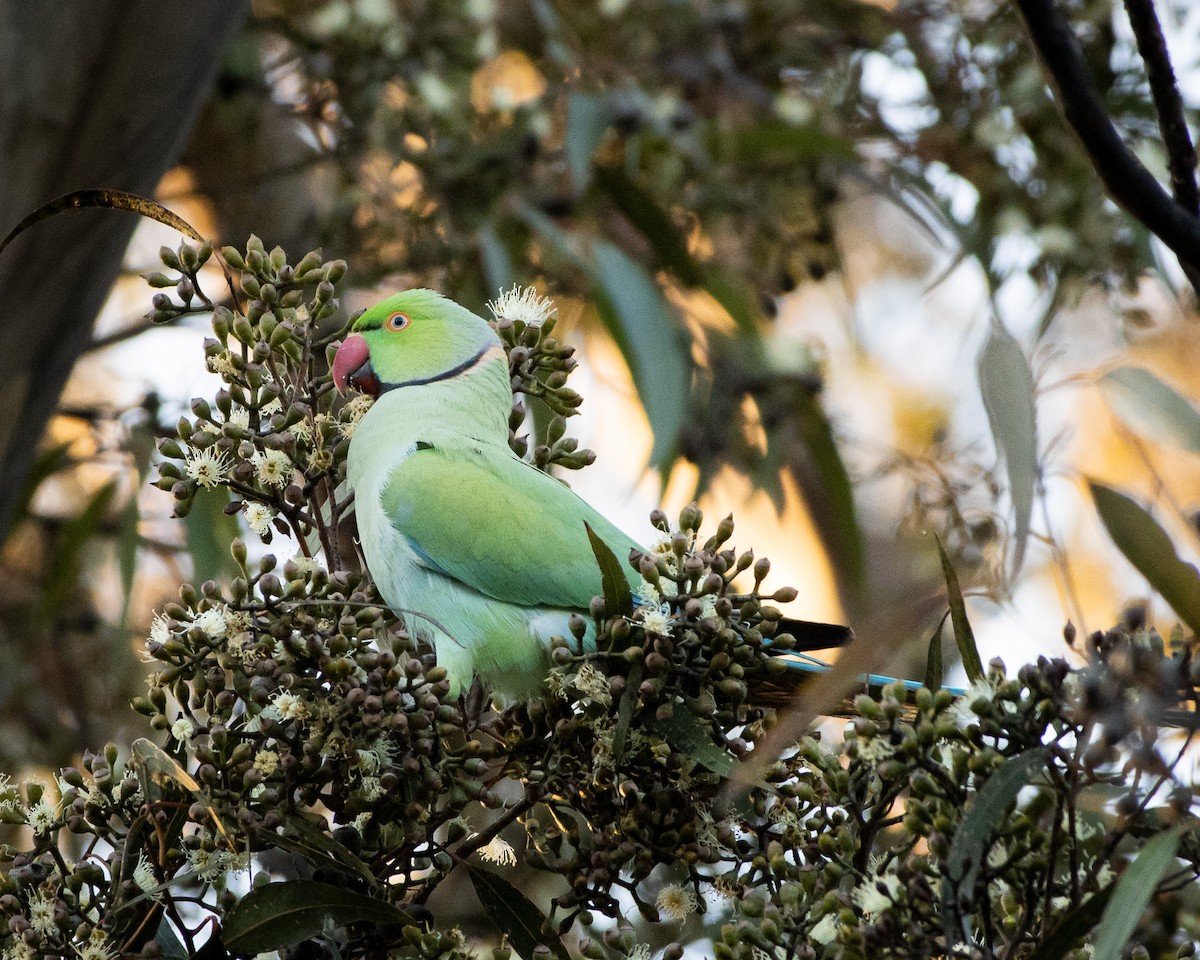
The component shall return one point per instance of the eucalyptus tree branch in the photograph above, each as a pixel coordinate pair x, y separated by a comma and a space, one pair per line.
1127, 181
1168, 104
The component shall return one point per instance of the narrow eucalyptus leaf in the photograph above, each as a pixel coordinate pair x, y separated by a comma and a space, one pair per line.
1151, 407
1132, 894
974, 835
652, 341
514, 915
281, 914
964, 636
1007, 386
1148, 547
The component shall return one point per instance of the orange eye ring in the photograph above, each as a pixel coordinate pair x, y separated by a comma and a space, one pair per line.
398, 321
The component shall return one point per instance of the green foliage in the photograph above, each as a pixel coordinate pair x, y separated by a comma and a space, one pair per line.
312, 747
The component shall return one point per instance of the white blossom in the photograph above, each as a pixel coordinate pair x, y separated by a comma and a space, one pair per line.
521, 303
208, 467
182, 729
593, 684
499, 852
214, 621
41, 914
657, 621
258, 517
676, 902
42, 816
274, 467
143, 876
286, 706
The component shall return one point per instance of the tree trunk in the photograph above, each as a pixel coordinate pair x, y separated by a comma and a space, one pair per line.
93, 93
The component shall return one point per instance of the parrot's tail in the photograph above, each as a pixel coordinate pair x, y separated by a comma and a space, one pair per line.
811, 635
780, 691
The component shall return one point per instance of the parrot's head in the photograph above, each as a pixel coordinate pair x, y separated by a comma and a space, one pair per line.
411, 338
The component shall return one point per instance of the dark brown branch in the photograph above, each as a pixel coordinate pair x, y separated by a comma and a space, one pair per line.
1128, 182
1168, 104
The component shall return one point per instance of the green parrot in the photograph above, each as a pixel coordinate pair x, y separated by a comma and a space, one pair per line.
478, 550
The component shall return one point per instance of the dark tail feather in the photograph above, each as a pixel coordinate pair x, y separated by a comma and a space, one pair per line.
811, 635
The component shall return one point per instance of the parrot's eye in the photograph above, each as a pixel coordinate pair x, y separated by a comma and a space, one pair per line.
398, 321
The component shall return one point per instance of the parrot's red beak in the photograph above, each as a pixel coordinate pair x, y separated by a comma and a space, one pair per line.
352, 367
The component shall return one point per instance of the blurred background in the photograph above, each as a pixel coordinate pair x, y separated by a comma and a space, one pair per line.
779, 234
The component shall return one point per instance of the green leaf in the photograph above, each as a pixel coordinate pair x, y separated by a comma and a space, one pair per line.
618, 599
1007, 386
1068, 935
1148, 406
281, 914
686, 735
168, 940
588, 117
643, 210
48, 462
63, 570
629, 698
823, 479
974, 835
497, 264
514, 915
210, 530
653, 343
964, 636
1148, 547
307, 840
1132, 893
934, 672
777, 140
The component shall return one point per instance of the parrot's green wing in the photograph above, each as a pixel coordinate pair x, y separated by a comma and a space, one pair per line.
499, 526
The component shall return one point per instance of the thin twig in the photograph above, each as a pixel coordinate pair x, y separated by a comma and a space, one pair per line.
1168, 104
1128, 182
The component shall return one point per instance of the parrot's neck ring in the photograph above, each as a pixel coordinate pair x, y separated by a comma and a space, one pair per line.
444, 375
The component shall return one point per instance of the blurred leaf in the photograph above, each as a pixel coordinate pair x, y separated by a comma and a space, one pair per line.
974, 835
210, 530
934, 673
62, 572
497, 264
821, 476
618, 600
1132, 893
687, 736
319, 849
643, 210
1148, 406
588, 117
1069, 934
625, 707
514, 915
784, 141
48, 462
1007, 386
281, 914
652, 341
964, 636
1148, 547
141, 445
